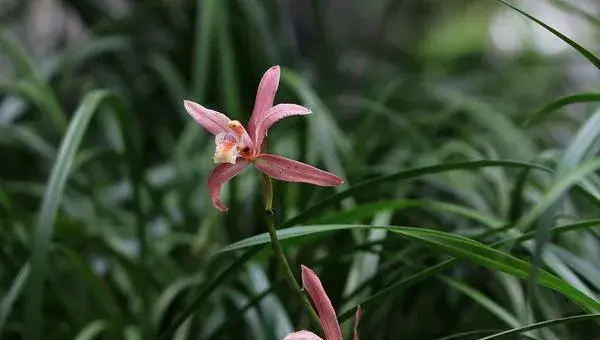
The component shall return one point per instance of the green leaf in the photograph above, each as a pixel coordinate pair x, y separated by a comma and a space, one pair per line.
259, 16
584, 224
438, 268
587, 54
543, 324
291, 233
487, 303
468, 334
404, 283
78, 54
92, 330
228, 76
95, 284
560, 103
559, 187
403, 175
170, 294
49, 209
251, 316
301, 231
218, 333
5, 200
23, 63
9, 299
28, 137
517, 267
205, 24
64, 62
272, 309
506, 131
518, 202
39, 93
206, 290
483, 255
402, 125
574, 8
171, 79
570, 170
369, 209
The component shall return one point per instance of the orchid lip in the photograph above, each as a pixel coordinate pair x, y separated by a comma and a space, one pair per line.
226, 150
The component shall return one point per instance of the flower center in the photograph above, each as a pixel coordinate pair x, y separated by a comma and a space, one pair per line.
226, 150
233, 144
244, 143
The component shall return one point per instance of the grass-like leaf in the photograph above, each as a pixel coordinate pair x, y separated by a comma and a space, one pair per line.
9, 299
369, 209
456, 246
92, 330
23, 63
559, 103
587, 54
543, 324
38, 92
483, 255
206, 290
438, 268
50, 206
316, 208
483, 300
204, 36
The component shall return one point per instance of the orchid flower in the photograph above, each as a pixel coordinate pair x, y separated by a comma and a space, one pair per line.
237, 147
329, 323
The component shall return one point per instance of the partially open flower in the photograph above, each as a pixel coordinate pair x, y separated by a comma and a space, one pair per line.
329, 323
237, 147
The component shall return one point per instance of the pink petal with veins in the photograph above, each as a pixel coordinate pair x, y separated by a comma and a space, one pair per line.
272, 115
264, 98
329, 323
302, 335
213, 121
221, 175
289, 170
356, 320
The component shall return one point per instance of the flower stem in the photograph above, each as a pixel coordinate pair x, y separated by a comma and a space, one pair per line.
278, 250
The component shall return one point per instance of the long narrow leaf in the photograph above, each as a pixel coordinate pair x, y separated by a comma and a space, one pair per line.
403, 175
50, 205
587, 54
9, 299
560, 103
549, 323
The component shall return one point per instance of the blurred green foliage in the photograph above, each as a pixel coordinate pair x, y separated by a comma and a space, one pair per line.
472, 190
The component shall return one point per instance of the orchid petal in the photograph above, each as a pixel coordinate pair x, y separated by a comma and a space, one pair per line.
329, 323
213, 121
302, 335
289, 170
265, 95
272, 115
221, 175
356, 320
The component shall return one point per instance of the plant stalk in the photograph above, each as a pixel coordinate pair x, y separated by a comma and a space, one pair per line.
278, 251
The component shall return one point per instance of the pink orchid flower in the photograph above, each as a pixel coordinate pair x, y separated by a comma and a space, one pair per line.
329, 323
237, 147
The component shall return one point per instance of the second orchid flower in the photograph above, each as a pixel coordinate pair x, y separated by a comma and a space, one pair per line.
329, 323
